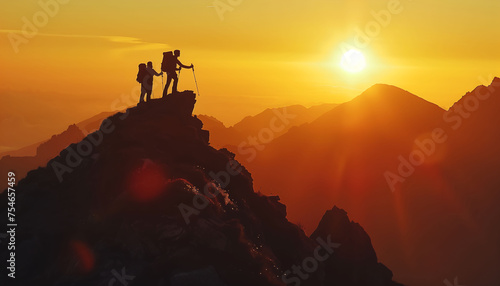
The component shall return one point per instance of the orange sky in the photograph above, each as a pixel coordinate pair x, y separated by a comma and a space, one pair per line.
83, 58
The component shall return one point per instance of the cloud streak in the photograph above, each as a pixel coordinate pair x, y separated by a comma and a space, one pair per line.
135, 43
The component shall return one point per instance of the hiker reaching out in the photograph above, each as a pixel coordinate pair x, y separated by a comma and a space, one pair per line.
145, 77
169, 65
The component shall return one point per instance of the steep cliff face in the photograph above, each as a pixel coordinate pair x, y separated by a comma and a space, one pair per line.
145, 200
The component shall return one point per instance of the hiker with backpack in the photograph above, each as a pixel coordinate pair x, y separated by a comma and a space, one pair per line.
145, 78
169, 65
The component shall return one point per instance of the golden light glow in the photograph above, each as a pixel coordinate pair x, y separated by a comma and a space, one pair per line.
353, 61
67, 63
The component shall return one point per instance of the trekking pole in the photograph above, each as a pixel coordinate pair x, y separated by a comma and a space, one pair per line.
162, 86
196, 82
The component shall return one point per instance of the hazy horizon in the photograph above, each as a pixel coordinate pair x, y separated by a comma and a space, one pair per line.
61, 67
63, 125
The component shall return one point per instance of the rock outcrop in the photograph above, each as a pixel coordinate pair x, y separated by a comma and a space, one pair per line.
145, 200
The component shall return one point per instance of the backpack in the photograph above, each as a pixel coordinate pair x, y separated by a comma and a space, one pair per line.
168, 64
141, 73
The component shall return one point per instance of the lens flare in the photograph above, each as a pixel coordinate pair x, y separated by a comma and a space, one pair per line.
84, 255
147, 182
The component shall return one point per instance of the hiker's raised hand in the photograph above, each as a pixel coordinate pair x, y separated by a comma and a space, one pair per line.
192, 66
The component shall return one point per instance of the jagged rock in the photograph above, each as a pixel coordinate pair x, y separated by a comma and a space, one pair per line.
355, 261
147, 199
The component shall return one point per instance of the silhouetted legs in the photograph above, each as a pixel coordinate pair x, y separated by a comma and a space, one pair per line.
171, 76
147, 92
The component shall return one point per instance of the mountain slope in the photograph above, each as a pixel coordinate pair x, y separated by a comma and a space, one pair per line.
151, 201
44, 152
423, 182
349, 147
26, 151
221, 136
92, 124
298, 115
276, 120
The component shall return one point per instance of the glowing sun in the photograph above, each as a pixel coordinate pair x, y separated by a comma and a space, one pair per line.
353, 61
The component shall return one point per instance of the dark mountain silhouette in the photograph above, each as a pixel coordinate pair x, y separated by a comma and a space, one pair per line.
36, 155
220, 135
252, 125
356, 259
87, 126
115, 212
29, 150
353, 136
44, 152
440, 222
94, 122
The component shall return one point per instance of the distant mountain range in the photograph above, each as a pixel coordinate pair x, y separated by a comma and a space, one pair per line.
252, 126
37, 155
423, 181
45, 151
28, 158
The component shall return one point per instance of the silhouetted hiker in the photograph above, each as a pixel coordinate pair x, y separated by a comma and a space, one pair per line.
145, 77
169, 65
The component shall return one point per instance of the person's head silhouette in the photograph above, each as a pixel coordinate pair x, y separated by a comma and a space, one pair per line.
150, 64
177, 53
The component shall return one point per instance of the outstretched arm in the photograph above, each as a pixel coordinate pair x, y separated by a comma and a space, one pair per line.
156, 73
184, 66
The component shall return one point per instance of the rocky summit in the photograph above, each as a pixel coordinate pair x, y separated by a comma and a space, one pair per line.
145, 200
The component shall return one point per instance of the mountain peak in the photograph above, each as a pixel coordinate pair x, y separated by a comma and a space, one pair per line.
481, 91
349, 235
181, 104
386, 91
389, 97
150, 196
496, 81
